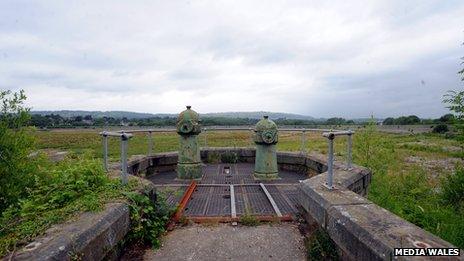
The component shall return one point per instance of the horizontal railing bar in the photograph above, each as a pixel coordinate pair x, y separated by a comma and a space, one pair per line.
337, 133
232, 129
148, 130
116, 134
304, 129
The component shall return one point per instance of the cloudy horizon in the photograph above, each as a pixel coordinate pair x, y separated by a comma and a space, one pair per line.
339, 59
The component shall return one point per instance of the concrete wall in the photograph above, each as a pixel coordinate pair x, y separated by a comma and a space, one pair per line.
90, 236
293, 161
361, 229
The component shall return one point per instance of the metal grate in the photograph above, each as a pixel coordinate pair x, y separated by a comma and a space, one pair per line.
211, 197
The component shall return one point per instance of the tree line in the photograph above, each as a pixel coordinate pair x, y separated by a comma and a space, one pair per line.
58, 121
413, 120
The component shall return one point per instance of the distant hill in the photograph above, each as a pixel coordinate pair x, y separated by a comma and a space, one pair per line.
258, 115
101, 114
138, 115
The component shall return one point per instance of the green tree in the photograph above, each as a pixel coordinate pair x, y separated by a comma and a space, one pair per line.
455, 103
447, 118
16, 167
389, 121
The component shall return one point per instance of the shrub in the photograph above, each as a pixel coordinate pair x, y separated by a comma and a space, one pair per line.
16, 167
149, 217
229, 157
440, 128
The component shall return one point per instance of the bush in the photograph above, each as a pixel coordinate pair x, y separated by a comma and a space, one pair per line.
17, 169
440, 128
149, 217
229, 157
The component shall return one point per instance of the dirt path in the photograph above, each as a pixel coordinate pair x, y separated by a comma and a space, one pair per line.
226, 242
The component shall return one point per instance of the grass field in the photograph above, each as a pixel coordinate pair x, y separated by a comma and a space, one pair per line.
409, 169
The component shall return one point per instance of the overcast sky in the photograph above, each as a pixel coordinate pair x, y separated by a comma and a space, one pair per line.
319, 58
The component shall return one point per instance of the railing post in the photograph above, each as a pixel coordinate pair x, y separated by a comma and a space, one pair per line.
330, 160
124, 140
105, 150
303, 142
251, 137
150, 143
349, 156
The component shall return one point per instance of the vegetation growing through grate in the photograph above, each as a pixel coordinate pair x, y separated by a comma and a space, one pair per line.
247, 219
319, 246
229, 157
213, 157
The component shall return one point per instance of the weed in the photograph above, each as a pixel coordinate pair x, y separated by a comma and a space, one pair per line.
148, 218
229, 157
247, 219
214, 158
319, 246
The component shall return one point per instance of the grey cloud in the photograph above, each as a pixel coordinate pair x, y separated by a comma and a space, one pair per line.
321, 59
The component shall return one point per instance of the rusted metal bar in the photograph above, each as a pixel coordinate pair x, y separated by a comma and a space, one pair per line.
271, 200
183, 202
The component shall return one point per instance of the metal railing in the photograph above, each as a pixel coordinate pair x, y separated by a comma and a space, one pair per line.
125, 135
124, 146
330, 155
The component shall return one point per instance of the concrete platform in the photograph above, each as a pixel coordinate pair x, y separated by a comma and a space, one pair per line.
225, 242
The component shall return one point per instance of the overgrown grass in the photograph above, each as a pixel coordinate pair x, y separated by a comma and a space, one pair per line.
409, 190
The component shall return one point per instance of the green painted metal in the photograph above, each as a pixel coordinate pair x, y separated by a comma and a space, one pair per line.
189, 164
266, 138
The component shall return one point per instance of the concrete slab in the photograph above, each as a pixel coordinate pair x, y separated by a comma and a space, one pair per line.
225, 242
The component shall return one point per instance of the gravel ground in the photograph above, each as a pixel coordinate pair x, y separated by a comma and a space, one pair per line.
226, 242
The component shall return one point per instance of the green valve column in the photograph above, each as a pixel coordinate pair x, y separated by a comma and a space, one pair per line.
189, 164
266, 138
